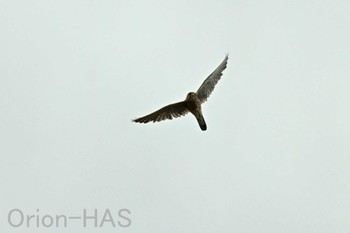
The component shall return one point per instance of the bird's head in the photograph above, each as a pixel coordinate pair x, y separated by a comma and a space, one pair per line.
190, 95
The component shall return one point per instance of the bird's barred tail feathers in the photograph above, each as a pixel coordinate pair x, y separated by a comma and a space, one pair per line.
201, 122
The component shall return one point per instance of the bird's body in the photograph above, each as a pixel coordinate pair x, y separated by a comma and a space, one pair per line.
192, 103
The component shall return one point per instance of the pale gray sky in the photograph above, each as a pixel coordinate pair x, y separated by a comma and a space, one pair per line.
275, 157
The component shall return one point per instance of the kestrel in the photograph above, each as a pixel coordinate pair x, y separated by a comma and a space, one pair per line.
192, 103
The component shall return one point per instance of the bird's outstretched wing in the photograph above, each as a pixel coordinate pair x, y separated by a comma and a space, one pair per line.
168, 112
209, 83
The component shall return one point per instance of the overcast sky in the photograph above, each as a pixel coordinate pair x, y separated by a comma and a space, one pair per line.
275, 157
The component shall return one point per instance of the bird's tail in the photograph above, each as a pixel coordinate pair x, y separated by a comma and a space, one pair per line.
201, 122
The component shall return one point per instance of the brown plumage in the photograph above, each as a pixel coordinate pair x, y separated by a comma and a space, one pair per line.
192, 103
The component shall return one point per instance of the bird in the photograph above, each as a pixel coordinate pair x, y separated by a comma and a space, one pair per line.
192, 103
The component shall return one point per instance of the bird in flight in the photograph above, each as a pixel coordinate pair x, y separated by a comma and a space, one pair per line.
191, 104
